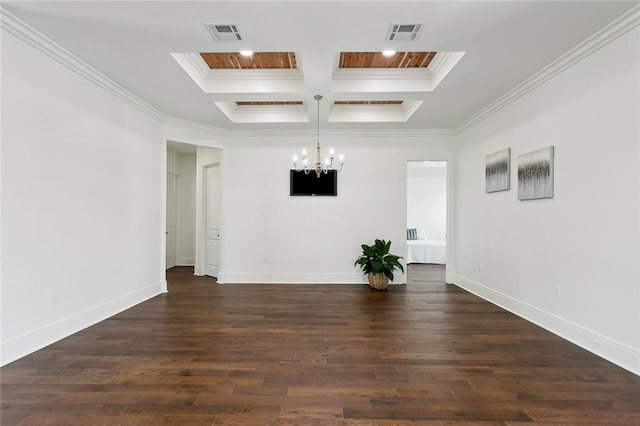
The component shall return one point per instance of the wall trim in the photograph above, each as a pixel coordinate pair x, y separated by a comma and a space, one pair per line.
20, 346
293, 278
15, 26
192, 125
610, 349
600, 39
369, 133
31, 36
36, 39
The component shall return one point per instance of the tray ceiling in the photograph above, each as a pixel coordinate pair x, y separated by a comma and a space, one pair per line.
484, 50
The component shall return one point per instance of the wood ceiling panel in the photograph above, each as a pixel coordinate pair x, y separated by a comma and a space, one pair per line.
259, 60
378, 60
262, 103
368, 102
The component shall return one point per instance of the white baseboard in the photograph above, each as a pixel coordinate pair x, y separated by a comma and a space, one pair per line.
286, 278
18, 347
293, 278
603, 346
187, 261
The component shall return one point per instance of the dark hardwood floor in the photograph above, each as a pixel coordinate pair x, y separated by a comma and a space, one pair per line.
425, 353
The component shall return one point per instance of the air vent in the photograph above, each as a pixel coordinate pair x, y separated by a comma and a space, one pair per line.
404, 32
224, 32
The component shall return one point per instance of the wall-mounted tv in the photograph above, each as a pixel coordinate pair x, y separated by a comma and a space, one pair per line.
310, 185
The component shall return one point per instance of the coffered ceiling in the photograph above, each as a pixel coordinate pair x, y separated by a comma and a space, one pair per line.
452, 58
258, 60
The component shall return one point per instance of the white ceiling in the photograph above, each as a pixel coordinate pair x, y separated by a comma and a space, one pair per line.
505, 43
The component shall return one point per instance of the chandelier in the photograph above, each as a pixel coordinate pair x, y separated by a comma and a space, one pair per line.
320, 166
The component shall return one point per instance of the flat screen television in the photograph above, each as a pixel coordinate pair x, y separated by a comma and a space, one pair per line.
310, 185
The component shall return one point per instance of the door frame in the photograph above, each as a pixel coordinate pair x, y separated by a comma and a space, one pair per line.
450, 264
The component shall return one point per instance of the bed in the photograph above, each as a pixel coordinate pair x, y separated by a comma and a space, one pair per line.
422, 250
426, 251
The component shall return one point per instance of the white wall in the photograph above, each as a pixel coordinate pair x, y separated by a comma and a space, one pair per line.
272, 237
583, 243
81, 202
427, 198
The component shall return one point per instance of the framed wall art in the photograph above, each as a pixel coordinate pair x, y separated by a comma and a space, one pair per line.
498, 171
535, 174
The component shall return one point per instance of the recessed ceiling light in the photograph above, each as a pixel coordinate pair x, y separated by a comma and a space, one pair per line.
388, 53
247, 53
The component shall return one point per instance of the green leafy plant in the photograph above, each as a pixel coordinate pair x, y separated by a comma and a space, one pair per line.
376, 259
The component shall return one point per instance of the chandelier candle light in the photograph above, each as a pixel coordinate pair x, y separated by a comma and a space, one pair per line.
320, 166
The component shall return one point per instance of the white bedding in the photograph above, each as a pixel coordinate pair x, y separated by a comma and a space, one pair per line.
426, 251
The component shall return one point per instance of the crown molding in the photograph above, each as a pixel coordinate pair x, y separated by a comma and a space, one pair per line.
376, 80
34, 38
39, 41
264, 114
615, 29
281, 81
373, 113
192, 125
345, 133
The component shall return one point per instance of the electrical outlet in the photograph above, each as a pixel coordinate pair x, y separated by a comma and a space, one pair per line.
53, 296
479, 268
556, 293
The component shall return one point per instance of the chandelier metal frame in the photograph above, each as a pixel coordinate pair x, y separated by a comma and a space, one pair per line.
320, 166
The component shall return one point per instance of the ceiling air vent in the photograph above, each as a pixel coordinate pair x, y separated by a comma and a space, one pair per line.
224, 32
404, 32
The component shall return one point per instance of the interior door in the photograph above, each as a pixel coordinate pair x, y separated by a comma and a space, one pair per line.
172, 220
214, 198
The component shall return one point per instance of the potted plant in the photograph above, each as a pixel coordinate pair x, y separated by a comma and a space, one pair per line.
378, 263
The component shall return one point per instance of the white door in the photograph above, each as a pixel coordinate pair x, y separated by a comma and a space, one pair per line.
172, 219
214, 198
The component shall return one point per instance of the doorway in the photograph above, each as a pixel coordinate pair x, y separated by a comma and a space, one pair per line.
180, 208
426, 221
194, 186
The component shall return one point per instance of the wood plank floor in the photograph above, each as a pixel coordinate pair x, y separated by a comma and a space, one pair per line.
425, 353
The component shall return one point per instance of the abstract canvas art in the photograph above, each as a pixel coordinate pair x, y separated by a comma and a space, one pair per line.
498, 171
535, 174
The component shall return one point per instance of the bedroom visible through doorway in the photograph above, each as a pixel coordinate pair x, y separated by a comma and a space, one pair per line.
426, 215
